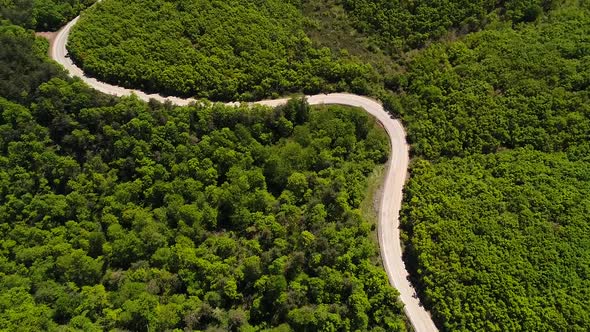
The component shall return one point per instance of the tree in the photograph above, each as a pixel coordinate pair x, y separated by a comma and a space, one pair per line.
78, 267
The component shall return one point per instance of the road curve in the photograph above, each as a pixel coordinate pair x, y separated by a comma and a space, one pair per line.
388, 228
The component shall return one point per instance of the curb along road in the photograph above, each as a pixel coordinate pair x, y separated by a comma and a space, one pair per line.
392, 186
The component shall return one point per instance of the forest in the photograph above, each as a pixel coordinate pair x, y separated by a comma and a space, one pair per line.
121, 214
499, 242
250, 50
396, 26
496, 211
220, 50
41, 15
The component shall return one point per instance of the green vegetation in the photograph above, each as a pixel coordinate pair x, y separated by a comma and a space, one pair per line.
398, 25
23, 65
221, 50
42, 15
249, 50
496, 211
368, 206
503, 88
120, 214
500, 242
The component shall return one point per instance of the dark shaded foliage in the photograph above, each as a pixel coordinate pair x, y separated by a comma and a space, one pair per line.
23, 66
42, 15
399, 25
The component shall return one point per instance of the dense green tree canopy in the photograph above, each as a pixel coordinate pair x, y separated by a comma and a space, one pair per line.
500, 242
121, 214
503, 88
117, 214
41, 15
23, 66
496, 211
398, 25
222, 50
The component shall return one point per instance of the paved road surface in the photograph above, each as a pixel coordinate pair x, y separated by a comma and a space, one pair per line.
389, 240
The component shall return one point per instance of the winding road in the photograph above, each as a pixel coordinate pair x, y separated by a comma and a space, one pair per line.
389, 234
